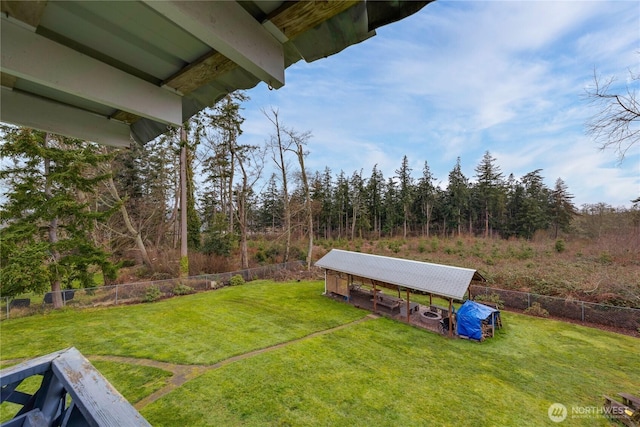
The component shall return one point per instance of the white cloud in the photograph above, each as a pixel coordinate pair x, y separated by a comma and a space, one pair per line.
461, 78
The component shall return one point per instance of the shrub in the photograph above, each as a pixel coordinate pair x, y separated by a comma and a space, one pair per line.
260, 256
236, 280
182, 289
606, 258
560, 246
161, 276
537, 310
394, 246
526, 252
493, 298
219, 243
153, 293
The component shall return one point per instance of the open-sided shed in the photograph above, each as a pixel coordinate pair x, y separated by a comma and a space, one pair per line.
342, 267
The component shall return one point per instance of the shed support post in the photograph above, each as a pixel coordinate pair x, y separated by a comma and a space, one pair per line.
325, 281
450, 318
375, 294
408, 307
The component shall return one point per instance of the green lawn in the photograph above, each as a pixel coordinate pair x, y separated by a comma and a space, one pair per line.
374, 373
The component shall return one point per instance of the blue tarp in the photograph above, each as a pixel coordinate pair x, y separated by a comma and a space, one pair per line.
470, 316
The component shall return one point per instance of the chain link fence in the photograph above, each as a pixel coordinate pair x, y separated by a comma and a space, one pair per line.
141, 291
600, 314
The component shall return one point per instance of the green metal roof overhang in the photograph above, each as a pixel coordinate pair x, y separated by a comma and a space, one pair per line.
117, 71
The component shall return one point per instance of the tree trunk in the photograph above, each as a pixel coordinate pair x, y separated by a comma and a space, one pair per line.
307, 195
135, 234
486, 219
55, 258
184, 256
242, 216
353, 223
429, 212
53, 234
242, 223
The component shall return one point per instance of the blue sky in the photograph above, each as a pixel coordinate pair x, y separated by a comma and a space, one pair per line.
462, 78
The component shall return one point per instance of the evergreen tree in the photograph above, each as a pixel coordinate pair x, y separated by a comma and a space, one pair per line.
514, 197
324, 196
489, 189
357, 199
457, 196
391, 207
46, 240
425, 198
342, 205
271, 206
562, 209
533, 214
374, 197
405, 182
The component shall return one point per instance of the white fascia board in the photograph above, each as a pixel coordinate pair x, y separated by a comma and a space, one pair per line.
229, 29
26, 110
29, 56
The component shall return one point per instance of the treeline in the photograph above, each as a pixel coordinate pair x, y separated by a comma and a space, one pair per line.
358, 206
70, 207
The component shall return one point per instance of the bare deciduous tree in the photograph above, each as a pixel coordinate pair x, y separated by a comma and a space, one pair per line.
279, 145
299, 140
617, 124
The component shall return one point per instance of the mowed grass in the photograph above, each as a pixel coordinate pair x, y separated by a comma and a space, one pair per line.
377, 372
203, 328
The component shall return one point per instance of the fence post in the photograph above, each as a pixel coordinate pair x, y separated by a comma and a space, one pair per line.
116, 295
64, 298
582, 310
528, 300
7, 298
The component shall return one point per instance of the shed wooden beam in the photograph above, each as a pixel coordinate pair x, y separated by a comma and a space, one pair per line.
29, 56
38, 113
295, 18
288, 20
29, 12
231, 31
7, 80
450, 318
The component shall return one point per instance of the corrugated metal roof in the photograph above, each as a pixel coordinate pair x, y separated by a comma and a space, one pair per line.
135, 67
438, 279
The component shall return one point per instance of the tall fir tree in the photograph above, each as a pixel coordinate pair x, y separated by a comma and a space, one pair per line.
374, 197
425, 198
562, 208
405, 183
534, 210
457, 196
46, 240
489, 189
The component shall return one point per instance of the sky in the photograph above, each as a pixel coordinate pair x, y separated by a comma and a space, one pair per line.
461, 78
